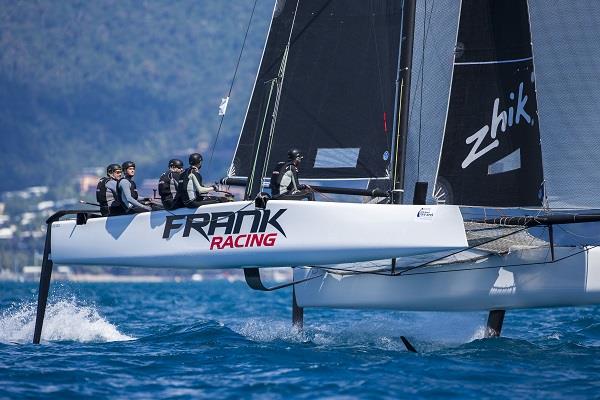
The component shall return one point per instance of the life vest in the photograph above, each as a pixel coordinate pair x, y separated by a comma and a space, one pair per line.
107, 197
167, 185
167, 188
132, 190
276, 176
182, 186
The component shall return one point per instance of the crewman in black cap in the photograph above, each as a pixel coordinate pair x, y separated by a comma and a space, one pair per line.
127, 190
106, 191
284, 179
190, 189
167, 185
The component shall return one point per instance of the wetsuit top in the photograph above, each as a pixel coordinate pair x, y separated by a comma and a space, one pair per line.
289, 178
167, 185
106, 194
129, 195
190, 185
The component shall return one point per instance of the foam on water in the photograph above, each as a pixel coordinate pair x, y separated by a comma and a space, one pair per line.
430, 331
268, 330
65, 321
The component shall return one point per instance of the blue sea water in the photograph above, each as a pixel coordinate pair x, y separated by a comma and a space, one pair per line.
222, 340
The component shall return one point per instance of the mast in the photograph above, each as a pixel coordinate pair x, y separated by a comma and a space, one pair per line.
399, 139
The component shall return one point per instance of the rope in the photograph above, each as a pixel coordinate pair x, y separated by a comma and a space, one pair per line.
355, 272
231, 86
280, 78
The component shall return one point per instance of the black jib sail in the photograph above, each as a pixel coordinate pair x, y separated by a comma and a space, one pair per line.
491, 154
336, 84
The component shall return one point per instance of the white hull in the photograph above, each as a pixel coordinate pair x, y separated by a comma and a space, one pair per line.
497, 282
234, 235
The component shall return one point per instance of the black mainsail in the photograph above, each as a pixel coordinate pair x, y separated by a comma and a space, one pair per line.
336, 84
491, 154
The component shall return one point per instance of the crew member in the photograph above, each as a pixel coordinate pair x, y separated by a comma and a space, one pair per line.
127, 190
167, 185
284, 180
190, 189
106, 191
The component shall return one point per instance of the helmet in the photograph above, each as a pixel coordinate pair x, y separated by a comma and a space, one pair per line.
295, 153
128, 164
112, 168
175, 162
195, 159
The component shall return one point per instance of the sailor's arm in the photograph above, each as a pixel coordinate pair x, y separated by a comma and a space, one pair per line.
130, 201
199, 188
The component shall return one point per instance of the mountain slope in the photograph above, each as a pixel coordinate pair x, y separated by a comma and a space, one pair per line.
88, 83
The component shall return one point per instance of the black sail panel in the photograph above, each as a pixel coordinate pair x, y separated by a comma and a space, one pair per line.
491, 154
259, 114
337, 95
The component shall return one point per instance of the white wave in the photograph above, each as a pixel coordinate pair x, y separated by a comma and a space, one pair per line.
268, 330
65, 321
479, 333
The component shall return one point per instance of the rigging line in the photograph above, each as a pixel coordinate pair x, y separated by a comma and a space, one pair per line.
340, 271
505, 266
293, 282
250, 183
231, 85
279, 82
355, 272
461, 250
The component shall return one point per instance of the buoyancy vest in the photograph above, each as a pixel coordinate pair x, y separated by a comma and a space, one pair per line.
167, 188
167, 185
277, 178
106, 195
182, 186
132, 190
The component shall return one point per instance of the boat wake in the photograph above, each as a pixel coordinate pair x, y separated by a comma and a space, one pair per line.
269, 330
66, 320
430, 331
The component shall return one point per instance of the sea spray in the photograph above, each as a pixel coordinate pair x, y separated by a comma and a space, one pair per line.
65, 320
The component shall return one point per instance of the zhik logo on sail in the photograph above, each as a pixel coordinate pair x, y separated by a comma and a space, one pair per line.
503, 119
230, 223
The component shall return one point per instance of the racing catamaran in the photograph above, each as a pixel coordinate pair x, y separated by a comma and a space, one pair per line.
499, 219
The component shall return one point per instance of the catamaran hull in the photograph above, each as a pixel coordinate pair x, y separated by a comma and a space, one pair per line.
520, 279
236, 234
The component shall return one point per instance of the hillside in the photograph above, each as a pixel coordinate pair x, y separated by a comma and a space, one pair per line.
84, 84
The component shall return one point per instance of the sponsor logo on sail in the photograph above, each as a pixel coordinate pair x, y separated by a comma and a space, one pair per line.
223, 230
500, 119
